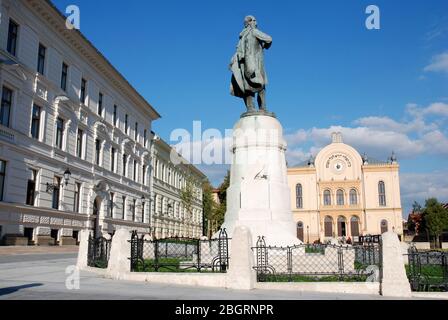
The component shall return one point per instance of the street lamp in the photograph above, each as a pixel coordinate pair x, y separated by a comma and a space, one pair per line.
52, 186
67, 175
308, 234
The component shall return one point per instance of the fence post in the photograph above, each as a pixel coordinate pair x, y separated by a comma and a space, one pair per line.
394, 282
241, 273
83, 248
120, 252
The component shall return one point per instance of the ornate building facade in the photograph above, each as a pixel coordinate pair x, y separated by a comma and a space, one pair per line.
341, 194
76, 145
170, 216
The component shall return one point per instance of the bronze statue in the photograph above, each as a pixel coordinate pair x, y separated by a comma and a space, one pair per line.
247, 66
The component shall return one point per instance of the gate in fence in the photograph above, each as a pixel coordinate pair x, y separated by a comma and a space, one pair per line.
317, 262
180, 254
98, 252
427, 270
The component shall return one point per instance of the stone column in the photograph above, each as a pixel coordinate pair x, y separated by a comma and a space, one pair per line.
120, 252
83, 248
394, 282
241, 274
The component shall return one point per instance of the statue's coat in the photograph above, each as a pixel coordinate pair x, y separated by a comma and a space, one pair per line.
247, 65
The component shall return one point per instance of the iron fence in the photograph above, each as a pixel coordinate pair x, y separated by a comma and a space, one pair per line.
180, 254
317, 262
427, 270
98, 252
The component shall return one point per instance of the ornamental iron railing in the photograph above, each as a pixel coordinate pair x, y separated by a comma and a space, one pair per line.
180, 254
317, 262
98, 252
427, 270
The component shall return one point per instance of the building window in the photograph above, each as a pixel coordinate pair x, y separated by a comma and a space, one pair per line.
56, 192
125, 161
2, 178
13, 32
82, 95
111, 205
382, 193
6, 106
112, 159
76, 197
384, 226
342, 227
327, 198
100, 104
353, 197
79, 137
126, 125
123, 208
354, 226
59, 132
115, 115
136, 132
64, 75
31, 188
135, 170
299, 197
144, 174
35, 122
145, 134
340, 197
41, 59
133, 210
97, 151
143, 212
328, 226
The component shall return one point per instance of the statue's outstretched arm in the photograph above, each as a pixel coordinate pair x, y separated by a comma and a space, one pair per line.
267, 39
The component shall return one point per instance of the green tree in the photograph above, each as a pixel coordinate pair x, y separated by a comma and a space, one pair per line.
411, 223
222, 195
187, 198
435, 218
209, 207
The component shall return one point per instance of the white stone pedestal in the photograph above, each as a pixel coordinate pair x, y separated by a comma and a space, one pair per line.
258, 196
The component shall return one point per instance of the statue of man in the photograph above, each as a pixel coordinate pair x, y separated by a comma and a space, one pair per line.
247, 65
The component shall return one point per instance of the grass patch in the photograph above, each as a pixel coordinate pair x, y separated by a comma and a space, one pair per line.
101, 264
431, 271
320, 250
166, 265
309, 278
430, 277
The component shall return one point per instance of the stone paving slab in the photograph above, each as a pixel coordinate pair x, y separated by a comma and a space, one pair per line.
16, 250
45, 280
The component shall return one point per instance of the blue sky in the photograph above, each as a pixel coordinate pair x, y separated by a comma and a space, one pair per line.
384, 89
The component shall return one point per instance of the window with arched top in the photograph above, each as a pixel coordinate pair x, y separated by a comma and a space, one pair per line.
340, 197
327, 198
342, 226
353, 196
328, 226
299, 196
382, 193
354, 226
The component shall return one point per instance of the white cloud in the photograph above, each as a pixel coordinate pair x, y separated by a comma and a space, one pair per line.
439, 63
421, 186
